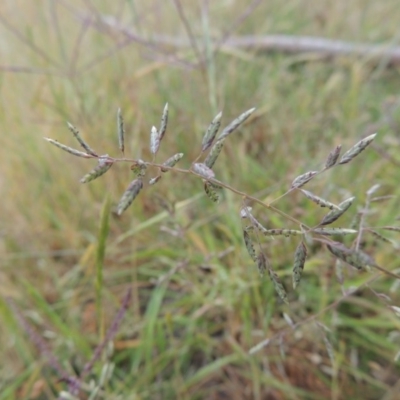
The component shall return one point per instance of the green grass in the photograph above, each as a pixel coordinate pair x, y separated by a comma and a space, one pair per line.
189, 337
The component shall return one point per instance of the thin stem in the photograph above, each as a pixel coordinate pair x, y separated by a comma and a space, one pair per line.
217, 182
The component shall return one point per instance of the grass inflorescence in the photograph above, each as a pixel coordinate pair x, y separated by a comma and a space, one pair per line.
210, 252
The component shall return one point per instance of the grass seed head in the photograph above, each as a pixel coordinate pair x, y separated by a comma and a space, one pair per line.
334, 231
103, 166
121, 131
130, 194
301, 180
235, 123
214, 153
68, 149
79, 138
319, 200
139, 168
333, 157
279, 288
211, 132
154, 140
300, 256
164, 122
262, 263
203, 170
356, 149
172, 161
335, 214
211, 192
249, 245
355, 258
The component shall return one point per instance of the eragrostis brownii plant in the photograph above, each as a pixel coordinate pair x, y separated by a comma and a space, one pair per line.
253, 229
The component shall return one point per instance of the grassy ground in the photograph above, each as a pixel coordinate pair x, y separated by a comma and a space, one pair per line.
198, 303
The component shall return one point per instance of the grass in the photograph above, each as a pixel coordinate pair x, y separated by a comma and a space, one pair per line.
198, 305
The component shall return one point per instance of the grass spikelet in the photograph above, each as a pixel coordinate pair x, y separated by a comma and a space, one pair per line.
281, 232
68, 149
211, 132
319, 200
245, 212
334, 231
139, 168
171, 161
130, 194
103, 166
154, 140
357, 259
300, 256
121, 131
214, 153
211, 192
203, 170
301, 180
333, 157
278, 286
164, 122
381, 198
249, 245
333, 215
392, 228
262, 263
356, 149
154, 180
381, 237
79, 138
255, 223
235, 123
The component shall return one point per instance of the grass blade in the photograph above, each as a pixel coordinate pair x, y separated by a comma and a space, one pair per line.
100, 256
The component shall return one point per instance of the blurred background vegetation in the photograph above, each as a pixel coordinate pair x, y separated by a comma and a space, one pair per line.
198, 303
